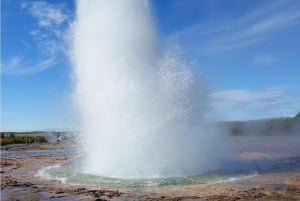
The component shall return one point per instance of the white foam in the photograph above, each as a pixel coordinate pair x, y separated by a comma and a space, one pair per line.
236, 178
45, 173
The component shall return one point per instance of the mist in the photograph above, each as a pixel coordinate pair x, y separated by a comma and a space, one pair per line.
141, 109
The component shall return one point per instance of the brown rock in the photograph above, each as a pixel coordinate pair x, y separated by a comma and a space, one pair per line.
59, 191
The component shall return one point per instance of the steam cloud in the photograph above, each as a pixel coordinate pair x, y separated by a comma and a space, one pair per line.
141, 111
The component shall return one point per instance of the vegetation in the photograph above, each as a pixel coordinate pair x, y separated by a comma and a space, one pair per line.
12, 139
37, 137
267, 127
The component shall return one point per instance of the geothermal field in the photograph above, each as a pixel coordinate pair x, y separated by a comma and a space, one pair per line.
146, 127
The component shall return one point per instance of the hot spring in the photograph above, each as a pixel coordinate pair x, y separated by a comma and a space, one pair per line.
141, 107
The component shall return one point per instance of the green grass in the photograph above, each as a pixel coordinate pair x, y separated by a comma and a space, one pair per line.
266, 127
12, 139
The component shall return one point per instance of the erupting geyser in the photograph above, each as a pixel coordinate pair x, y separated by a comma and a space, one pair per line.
140, 110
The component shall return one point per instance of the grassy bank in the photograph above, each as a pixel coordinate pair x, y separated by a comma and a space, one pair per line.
12, 139
266, 127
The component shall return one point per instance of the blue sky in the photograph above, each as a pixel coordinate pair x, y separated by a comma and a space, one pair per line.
248, 53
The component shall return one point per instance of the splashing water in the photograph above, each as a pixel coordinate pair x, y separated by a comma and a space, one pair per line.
141, 111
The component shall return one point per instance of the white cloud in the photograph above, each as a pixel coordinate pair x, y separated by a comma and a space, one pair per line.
18, 66
240, 104
47, 33
50, 22
263, 60
50, 19
34, 32
236, 33
242, 96
11, 65
266, 24
48, 15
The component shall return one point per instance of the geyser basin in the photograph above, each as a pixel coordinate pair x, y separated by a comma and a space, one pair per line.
229, 170
141, 110
72, 176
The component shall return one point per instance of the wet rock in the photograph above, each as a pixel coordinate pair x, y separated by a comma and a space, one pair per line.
35, 190
291, 189
59, 196
27, 184
6, 163
59, 191
96, 193
179, 198
112, 194
92, 191
100, 199
80, 190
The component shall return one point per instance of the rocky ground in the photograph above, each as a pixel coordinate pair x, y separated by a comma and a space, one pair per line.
19, 182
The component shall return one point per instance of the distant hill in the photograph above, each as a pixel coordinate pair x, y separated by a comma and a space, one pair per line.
266, 127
